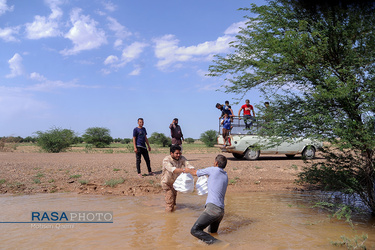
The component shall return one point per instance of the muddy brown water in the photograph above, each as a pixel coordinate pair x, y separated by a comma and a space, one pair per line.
261, 220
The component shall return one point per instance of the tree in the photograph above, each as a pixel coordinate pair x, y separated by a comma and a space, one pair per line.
99, 137
315, 63
209, 137
29, 139
189, 140
160, 139
126, 141
55, 140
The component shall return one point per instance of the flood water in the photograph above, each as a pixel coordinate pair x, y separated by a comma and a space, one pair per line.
252, 221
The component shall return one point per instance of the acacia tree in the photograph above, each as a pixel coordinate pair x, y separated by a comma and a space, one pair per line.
209, 137
55, 140
316, 65
100, 137
160, 139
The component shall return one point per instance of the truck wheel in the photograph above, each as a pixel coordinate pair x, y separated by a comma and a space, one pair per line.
309, 153
237, 156
252, 154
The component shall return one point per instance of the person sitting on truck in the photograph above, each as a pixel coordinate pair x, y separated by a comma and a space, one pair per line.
225, 109
247, 108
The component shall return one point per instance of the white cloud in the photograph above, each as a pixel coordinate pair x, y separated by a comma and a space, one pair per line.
15, 65
42, 27
120, 30
4, 7
111, 59
108, 5
202, 73
132, 51
129, 54
48, 85
37, 76
118, 43
235, 28
209, 87
136, 71
84, 34
7, 34
46, 26
169, 53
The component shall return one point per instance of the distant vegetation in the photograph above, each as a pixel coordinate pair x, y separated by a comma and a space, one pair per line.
209, 137
55, 140
99, 137
160, 139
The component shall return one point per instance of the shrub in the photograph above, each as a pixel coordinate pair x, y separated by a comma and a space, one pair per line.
209, 137
126, 141
160, 139
189, 140
55, 140
99, 137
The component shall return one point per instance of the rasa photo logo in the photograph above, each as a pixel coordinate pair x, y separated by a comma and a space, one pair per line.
71, 217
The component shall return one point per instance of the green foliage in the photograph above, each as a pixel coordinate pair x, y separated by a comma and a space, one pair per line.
160, 139
29, 139
189, 140
358, 242
114, 182
209, 137
83, 182
55, 140
126, 141
321, 61
75, 176
99, 137
77, 140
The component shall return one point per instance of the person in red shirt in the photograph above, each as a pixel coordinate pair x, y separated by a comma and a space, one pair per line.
247, 108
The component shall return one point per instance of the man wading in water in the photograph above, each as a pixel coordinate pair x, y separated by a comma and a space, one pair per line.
214, 209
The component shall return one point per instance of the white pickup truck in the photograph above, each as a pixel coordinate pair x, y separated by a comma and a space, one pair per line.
246, 143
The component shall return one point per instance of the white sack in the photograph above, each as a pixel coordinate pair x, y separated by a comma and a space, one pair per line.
201, 185
184, 183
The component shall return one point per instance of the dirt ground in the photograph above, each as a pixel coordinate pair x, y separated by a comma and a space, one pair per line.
97, 173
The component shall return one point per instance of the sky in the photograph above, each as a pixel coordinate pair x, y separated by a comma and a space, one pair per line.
76, 64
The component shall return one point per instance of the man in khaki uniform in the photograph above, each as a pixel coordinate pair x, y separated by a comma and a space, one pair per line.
173, 165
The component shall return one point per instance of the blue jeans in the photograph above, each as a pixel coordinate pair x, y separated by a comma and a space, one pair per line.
211, 218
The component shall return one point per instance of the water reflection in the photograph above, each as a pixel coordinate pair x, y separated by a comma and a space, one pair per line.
252, 221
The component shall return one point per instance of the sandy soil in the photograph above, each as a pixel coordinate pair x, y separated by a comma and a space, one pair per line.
92, 173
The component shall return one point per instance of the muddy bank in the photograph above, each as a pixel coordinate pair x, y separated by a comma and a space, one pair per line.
115, 173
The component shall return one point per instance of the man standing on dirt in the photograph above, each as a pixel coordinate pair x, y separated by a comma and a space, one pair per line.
173, 165
176, 133
214, 208
139, 142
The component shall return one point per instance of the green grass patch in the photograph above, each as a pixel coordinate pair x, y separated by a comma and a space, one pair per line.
114, 182
233, 181
116, 169
51, 181
2, 181
295, 167
75, 176
39, 175
36, 180
83, 182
